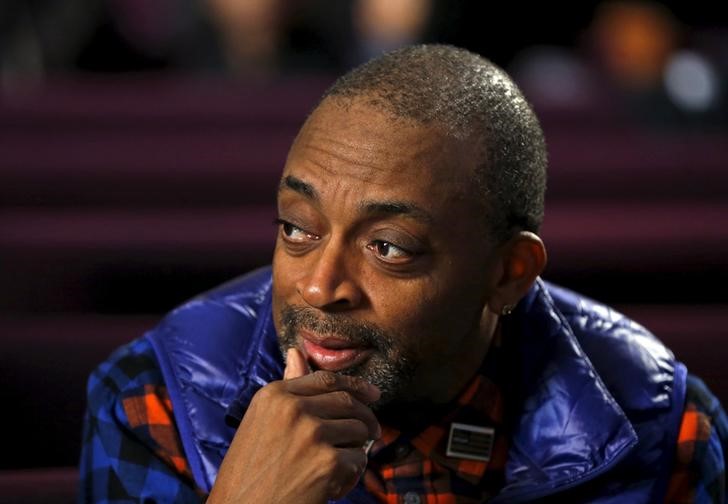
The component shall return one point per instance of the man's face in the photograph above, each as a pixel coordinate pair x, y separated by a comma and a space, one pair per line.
382, 267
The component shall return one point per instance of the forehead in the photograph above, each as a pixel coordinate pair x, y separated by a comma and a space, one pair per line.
352, 142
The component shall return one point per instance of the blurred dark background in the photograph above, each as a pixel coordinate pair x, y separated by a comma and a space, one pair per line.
140, 145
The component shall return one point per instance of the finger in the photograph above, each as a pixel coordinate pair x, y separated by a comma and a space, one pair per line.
296, 365
322, 382
342, 405
351, 464
343, 433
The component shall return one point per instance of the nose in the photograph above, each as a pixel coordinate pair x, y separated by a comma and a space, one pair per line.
331, 283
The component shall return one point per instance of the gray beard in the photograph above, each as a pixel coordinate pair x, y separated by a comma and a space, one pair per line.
387, 368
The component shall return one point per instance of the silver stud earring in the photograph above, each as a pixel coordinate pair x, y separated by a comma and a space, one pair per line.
507, 309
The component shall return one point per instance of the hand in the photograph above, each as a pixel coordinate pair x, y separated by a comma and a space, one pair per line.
301, 439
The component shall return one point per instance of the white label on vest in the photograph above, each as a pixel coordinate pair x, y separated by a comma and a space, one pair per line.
470, 442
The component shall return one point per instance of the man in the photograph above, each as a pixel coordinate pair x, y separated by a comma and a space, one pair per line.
403, 347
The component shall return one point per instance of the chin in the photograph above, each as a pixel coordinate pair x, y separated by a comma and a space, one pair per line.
393, 378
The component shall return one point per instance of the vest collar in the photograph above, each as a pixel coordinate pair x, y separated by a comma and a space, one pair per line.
567, 427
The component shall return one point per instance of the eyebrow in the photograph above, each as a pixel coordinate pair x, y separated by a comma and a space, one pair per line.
298, 185
396, 208
371, 208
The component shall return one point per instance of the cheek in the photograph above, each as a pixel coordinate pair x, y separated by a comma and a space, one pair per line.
433, 322
284, 283
286, 272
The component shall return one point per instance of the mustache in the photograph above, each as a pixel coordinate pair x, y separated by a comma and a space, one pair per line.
356, 332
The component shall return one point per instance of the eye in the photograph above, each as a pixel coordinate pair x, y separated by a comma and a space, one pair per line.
389, 252
293, 233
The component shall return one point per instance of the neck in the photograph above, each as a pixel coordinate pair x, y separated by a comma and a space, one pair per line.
419, 408
465, 364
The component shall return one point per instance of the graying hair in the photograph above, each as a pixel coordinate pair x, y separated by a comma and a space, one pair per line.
468, 97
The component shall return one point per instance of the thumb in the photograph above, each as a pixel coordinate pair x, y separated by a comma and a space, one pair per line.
296, 365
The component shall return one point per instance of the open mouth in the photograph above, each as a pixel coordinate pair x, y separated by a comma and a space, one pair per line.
332, 353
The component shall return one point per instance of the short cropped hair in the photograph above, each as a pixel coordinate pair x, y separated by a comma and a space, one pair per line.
468, 97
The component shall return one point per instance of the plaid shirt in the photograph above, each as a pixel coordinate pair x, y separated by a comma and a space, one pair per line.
699, 472
403, 465
132, 450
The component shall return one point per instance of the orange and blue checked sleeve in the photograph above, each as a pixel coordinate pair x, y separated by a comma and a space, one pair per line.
150, 417
131, 451
698, 474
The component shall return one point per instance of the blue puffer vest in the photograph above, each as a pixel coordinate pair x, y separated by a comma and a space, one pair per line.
600, 399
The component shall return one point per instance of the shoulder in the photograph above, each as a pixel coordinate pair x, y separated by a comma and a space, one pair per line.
218, 335
214, 352
252, 287
633, 364
131, 449
129, 368
217, 318
135, 366
124, 385
699, 471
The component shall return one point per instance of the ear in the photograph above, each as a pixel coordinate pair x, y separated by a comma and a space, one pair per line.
523, 258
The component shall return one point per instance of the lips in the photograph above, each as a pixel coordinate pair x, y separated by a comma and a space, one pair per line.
331, 353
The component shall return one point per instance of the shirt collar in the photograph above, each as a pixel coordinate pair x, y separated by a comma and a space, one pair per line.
479, 404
